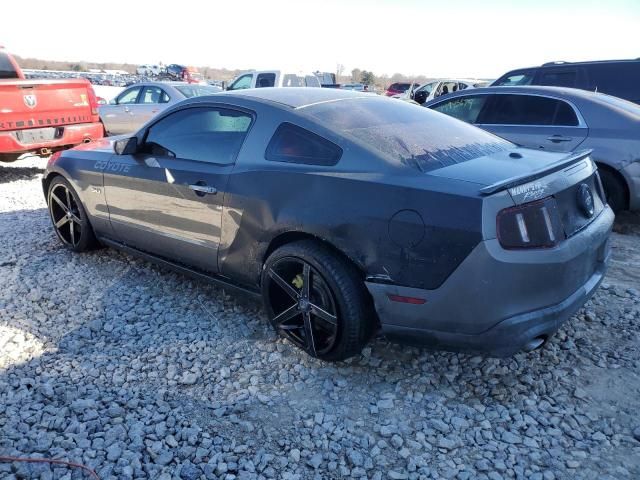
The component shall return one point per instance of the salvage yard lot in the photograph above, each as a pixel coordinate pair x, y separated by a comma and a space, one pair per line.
139, 372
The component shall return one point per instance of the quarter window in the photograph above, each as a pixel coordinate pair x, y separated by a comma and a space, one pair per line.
129, 96
212, 135
466, 109
293, 144
527, 110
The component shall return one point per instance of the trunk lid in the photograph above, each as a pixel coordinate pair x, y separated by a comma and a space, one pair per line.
26, 104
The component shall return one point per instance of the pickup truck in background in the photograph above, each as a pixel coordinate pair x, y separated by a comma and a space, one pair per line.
42, 116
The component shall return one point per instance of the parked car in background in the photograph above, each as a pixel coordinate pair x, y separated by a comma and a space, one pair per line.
136, 105
273, 78
356, 87
620, 78
349, 214
434, 89
397, 88
561, 120
41, 116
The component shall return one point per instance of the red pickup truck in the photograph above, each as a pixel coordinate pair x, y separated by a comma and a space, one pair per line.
42, 116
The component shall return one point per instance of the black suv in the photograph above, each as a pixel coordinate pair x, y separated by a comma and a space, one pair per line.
620, 78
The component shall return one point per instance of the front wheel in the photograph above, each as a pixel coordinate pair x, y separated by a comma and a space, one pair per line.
317, 300
614, 190
69, 217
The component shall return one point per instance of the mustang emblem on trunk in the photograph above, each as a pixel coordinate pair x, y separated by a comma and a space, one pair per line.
30, 100
585, 200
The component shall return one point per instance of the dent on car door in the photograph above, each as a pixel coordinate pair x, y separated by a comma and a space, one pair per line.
534, 121
167, 198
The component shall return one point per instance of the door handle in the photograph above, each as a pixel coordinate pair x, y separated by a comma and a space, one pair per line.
559, 138
126, 109
202, 190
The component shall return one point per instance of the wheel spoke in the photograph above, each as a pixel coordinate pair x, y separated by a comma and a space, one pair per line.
324, 315
59, 202
61, 222
284, 285
308, 334
72, 230
66, 191
306, 280
75, 218
287, 315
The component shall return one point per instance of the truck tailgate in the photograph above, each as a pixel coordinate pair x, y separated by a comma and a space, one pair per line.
28, 104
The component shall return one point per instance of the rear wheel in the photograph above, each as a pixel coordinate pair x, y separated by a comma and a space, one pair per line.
317, 300
69, 217
614, 190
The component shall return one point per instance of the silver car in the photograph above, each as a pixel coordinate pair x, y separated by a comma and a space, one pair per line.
559, 119
137, 104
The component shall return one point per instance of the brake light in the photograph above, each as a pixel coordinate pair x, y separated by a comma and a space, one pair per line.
531, 225
93, 101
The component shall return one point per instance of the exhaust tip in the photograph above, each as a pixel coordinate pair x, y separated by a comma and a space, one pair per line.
534, 344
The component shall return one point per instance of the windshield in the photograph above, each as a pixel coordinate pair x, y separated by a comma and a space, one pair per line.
6, 67
406, 133
190, 91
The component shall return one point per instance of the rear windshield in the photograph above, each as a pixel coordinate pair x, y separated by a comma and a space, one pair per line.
197, 90
399, 86
407, 134
6, 67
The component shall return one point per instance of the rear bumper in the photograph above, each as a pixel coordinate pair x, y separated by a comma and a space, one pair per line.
497, 301
72, 135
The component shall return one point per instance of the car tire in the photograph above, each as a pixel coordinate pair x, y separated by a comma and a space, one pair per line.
69, 218
335, 289
8, 157
614, 190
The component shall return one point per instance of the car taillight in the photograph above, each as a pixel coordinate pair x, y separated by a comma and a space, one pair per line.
93, 101
531, 225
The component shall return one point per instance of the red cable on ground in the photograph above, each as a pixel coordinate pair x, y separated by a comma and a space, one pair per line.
50, 460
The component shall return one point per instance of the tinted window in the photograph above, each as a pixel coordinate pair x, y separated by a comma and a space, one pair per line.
294, 144
212, 135
617, 79
428, 88
515, 78
466, 109
242, 82
6, 67
406, 134
153, 95
558, 78
128, 96
527, 110
399, 86
266, 80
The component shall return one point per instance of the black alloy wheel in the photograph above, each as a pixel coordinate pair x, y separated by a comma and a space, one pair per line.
303, 305
68, 217
317, 299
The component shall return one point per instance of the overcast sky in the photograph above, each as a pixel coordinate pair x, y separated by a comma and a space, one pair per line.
465, 38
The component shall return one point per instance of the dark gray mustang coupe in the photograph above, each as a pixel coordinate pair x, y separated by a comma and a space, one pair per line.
351, 214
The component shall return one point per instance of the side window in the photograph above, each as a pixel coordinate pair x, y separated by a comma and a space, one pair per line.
292, 80
128, 96
311, 81
241, 83
204, 134
266, 80
617, 79
293, 144
515, 79
527, 110
558, 78
153, 95
466, 109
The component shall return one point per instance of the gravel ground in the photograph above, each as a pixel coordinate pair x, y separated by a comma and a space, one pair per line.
139, 372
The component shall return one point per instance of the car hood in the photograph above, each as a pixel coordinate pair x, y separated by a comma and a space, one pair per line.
500, 166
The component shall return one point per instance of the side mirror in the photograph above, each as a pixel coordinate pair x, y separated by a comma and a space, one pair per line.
420, 97
126, 146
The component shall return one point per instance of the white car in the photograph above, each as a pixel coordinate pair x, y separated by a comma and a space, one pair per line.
436, 88
273, 78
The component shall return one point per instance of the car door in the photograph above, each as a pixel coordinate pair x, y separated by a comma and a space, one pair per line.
151, 101
534, 121
167, 198
116, 117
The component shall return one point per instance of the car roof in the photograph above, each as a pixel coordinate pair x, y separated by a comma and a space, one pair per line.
564, 92
570, 64
295, 97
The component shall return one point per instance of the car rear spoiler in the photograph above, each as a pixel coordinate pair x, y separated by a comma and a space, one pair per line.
536, 174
